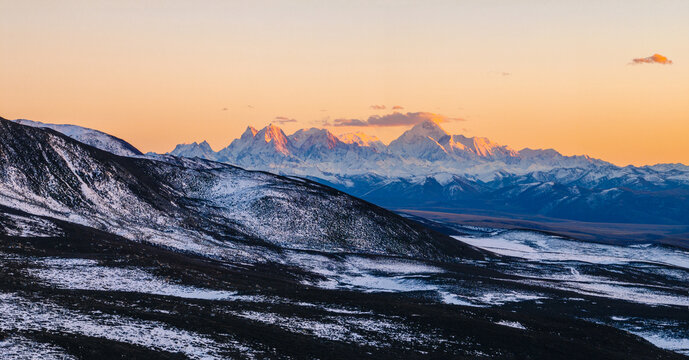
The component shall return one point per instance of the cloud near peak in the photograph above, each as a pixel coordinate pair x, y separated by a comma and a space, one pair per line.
283, 119
395, 119
377, 107
653, 59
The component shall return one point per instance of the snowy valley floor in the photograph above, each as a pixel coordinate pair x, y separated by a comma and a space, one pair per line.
91, 294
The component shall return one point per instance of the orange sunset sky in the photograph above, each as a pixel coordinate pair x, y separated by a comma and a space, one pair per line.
540, 74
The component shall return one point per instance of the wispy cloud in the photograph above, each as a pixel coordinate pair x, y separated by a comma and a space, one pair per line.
396, 119
378, 107
325, 121
397, 107
283, 120
349, 122
653, 59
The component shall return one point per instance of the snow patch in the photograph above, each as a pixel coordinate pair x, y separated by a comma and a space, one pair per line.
18, 313
20, 348
512, 324
84, 274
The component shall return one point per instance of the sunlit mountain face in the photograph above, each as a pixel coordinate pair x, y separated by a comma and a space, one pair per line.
362, 140
425, 149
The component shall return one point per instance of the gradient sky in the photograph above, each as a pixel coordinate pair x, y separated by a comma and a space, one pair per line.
540, 74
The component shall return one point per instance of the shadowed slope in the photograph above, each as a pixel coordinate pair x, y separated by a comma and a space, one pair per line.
199, 206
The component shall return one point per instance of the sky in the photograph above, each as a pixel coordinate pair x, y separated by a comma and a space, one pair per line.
576, 76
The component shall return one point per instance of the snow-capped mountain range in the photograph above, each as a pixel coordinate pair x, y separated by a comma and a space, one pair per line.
427, 168
426, 149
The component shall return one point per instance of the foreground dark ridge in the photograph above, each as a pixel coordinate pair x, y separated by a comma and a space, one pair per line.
197, 205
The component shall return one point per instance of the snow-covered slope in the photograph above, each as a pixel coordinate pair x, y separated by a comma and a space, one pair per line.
362, 140
197, 205
69, 292
422, 142
91, 137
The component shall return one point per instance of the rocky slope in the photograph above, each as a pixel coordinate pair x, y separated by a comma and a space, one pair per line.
195, 205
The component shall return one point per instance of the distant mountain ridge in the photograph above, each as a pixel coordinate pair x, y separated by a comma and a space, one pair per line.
195, 150
428, 168
424, 149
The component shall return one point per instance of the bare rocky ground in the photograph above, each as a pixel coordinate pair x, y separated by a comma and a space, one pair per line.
88, 294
